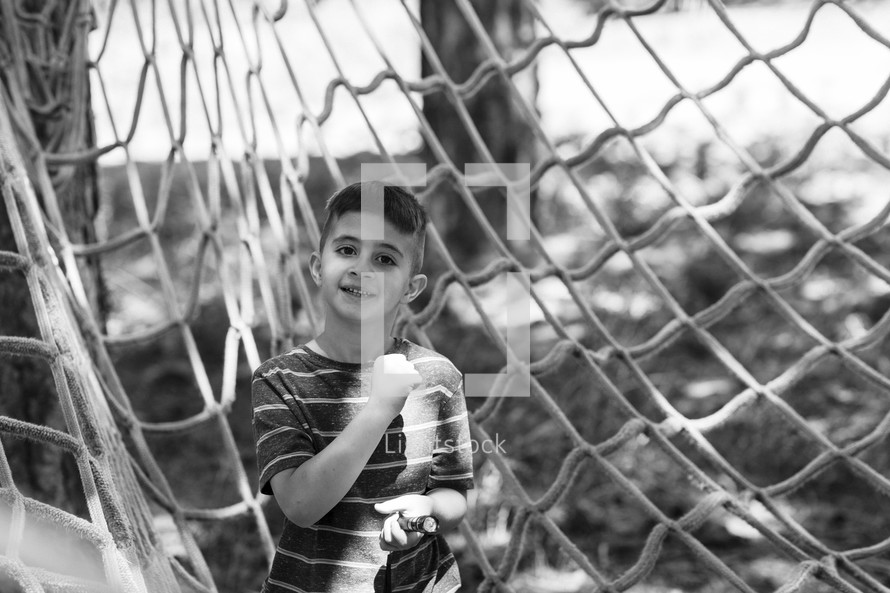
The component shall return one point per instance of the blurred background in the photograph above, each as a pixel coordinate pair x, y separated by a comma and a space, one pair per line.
709, 269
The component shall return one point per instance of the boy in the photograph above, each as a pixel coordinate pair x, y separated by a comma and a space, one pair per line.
343, 446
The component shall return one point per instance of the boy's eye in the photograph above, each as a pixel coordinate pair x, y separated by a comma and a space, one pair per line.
345, 248
387, 260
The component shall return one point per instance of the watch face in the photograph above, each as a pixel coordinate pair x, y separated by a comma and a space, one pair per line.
430, 525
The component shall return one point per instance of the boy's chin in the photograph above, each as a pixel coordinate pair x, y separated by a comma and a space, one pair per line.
368, 316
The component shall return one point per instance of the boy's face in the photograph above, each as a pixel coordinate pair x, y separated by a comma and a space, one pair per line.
380, 268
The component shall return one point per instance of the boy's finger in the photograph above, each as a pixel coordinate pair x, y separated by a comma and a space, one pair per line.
387, 507
388, 527
385, 531
399, 535
384, 545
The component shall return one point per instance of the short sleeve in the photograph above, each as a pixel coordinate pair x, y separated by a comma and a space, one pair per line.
282, 432
452, 465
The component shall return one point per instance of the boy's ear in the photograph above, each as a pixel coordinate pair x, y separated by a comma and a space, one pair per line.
415, 287
315, 267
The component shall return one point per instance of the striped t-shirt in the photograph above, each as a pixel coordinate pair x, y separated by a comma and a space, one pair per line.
302, 401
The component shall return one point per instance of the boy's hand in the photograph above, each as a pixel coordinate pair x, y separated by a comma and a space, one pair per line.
393, 379
393, 537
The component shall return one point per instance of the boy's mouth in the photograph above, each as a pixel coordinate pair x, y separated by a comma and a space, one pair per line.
355, 292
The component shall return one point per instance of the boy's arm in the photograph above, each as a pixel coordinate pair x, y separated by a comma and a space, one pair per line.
446, 504
308, 492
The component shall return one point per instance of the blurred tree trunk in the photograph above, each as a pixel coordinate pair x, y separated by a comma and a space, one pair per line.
493, 109
45, 79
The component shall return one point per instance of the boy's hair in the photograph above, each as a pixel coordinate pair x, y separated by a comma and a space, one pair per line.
400, 208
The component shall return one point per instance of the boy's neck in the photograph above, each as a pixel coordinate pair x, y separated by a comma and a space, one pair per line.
348, 349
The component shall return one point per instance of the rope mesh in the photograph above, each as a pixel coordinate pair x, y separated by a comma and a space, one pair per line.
230, 83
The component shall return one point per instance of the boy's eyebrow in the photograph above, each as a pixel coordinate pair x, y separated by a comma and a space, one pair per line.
342, 238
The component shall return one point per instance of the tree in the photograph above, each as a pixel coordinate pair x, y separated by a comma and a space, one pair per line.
493, 109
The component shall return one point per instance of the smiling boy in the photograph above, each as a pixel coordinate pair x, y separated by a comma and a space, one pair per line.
347, 424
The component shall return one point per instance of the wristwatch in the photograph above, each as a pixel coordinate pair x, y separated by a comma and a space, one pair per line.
423, 524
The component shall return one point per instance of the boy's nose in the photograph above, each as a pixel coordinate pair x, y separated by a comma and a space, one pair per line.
361, 270
368, 279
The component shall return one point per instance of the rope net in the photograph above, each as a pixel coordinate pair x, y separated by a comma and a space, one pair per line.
671, 415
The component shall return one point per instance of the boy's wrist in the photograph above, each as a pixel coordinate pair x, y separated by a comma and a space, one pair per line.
375, 415
448, 507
